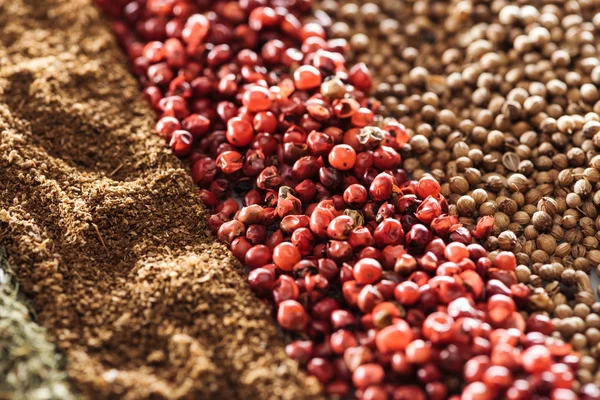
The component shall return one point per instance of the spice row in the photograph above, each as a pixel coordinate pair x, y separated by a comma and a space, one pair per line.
501, 101
372, 268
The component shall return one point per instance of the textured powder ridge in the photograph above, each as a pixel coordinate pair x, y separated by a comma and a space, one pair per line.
106, 233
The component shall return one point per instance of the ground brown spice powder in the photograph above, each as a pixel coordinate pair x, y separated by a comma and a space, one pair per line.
107, 233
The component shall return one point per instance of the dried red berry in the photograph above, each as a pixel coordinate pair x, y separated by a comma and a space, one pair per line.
307, 77
367, 270
292, 316
286, 255
342, 157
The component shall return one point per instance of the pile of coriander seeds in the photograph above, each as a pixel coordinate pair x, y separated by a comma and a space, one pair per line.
502, 103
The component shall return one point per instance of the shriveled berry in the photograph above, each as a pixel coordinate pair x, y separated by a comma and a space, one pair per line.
166, 126
230, 230
381, 187
340, 227
181, 142
355, 195
230, 161
388, 232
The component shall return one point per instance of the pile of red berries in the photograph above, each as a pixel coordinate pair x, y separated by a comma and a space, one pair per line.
387, 295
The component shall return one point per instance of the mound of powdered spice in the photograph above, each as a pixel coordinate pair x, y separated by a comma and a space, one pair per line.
383, 290
105, 230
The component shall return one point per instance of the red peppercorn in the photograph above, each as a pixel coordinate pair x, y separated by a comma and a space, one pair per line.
174, 51
505, 261
306, 191
563, 376
475, 368
263, 17
386, 158
181, 143
257, 98
360, 237
285, 288
381, 187
321, 369
265, 121
355, 195
230, 230
340, 227
321, 217
418, 352
500, 307
537, 359
407, 293
166, 126
388, 232
408, 392
497, 377
195, 30
230, 161
362, 117
477, 391
540, 323
337, 388
300, 350
438, 327
239, 247
360, 76
239, 132
307, 77
342, 157
428, 186
367, 270
262, 280
339, 250
455, 252
286, 255
303, 239
367, 375
484, 227
428, 210
257, 256
342, 340
319, 143
208, 198
394, 337
292, 316
197, 125
256, 234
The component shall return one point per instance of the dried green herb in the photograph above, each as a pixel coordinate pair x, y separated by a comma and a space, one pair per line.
30, 367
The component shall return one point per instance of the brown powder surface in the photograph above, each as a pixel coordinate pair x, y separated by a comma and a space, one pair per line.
105, 230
